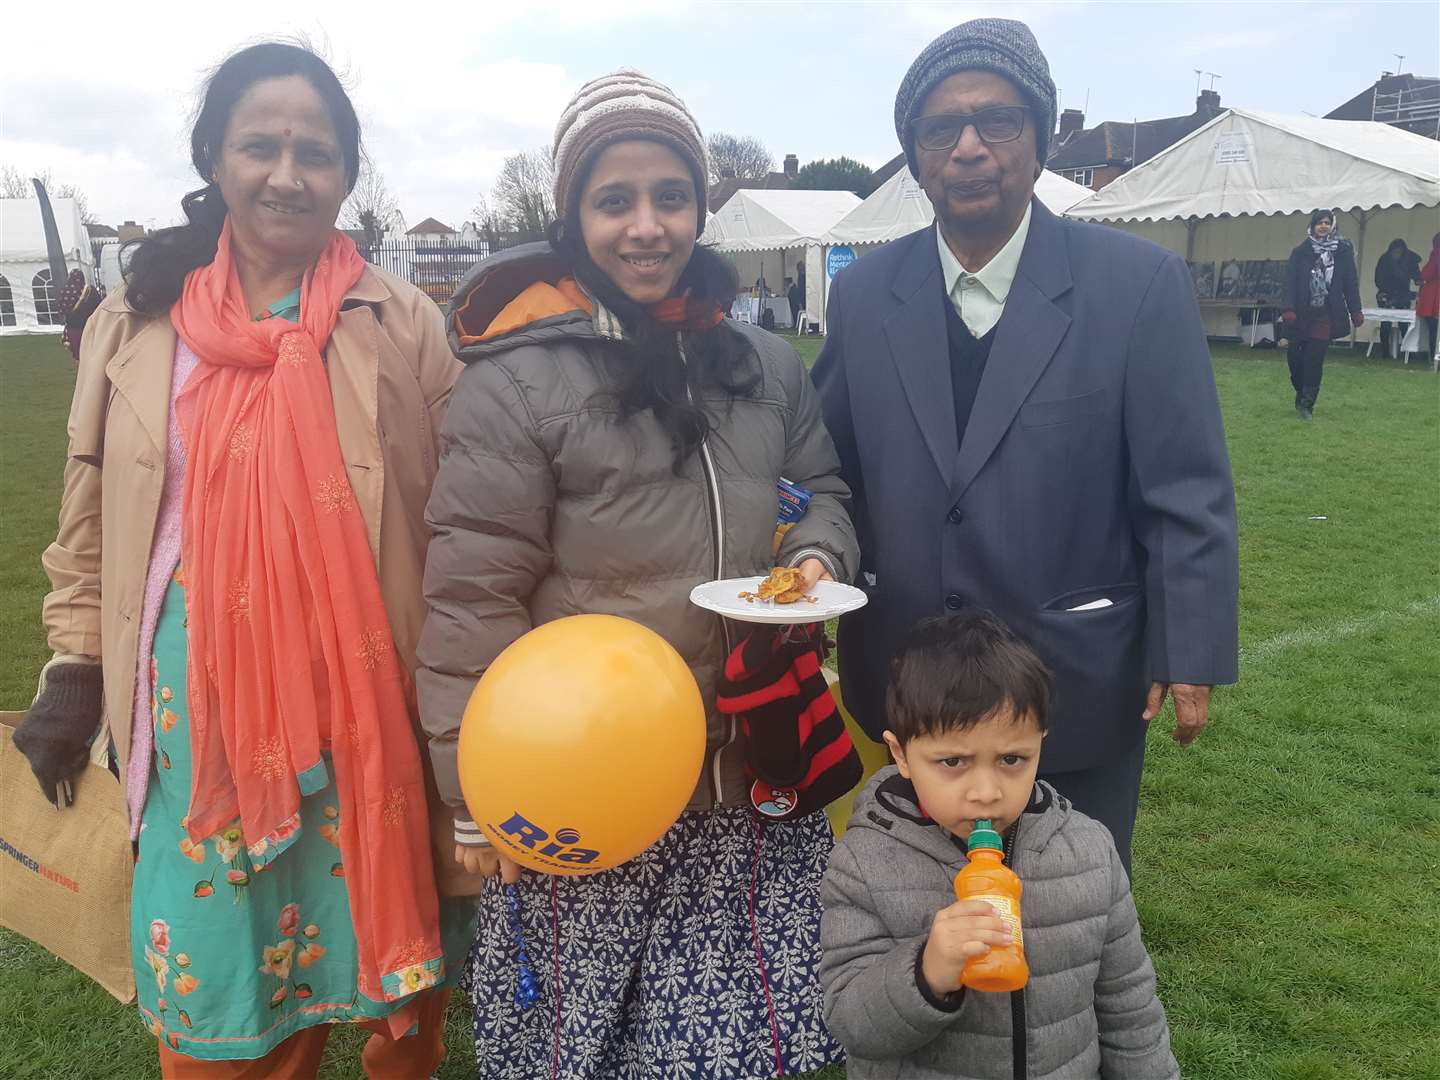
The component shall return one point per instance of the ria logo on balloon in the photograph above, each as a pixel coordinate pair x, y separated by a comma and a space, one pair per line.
519, 831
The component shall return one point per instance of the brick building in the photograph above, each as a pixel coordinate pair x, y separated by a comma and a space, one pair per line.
1095, 156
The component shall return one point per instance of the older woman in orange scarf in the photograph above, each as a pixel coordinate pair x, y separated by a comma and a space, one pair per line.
237, 594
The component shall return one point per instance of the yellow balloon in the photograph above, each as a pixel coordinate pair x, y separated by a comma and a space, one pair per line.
581, 744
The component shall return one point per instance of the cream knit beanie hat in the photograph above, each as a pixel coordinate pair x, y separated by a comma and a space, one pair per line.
624, 105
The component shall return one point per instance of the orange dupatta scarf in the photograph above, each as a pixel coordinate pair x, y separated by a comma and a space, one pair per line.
289, 643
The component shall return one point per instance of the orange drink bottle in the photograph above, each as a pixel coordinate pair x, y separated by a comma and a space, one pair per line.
986, 877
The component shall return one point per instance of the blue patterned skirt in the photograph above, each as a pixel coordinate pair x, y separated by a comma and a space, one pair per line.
697, 959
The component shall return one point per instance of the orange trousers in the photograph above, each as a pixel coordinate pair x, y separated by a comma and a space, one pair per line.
298, 1057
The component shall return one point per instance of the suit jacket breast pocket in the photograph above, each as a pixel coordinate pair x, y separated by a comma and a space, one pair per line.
1039, 414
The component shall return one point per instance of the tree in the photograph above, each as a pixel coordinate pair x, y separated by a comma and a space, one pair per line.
488, 223
836, 174
742, 157
371, 207
522, 195
16, 185
71, 191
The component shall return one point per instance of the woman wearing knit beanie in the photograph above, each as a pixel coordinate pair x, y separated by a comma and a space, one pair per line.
612, 442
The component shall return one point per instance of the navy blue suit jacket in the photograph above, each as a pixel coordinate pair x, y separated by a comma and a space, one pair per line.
1093, 466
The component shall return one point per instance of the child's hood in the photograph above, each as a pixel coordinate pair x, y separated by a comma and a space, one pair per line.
522, 296
888, 805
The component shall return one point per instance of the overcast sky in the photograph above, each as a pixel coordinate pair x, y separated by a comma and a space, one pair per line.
101, 93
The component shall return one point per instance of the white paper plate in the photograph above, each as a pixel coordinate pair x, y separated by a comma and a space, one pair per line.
723, 598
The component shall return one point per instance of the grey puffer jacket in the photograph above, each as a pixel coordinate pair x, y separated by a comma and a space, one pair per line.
1090, 1008
546, 504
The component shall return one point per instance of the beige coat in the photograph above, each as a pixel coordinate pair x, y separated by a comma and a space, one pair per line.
390, 370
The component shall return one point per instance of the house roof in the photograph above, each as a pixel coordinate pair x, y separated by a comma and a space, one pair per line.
99, 231
889, 169
1118, 143
429, 226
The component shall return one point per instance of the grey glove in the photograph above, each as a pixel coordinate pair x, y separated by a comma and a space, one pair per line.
56, 733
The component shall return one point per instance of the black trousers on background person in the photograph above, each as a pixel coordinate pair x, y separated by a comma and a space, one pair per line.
1392, 300
1109, 793
1307, 366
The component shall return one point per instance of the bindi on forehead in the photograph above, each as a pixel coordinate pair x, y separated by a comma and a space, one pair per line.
287, 133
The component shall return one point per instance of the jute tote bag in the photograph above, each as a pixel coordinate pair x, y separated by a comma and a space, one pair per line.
65, 874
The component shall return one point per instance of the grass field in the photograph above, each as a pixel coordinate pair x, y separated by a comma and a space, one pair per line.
1286, 865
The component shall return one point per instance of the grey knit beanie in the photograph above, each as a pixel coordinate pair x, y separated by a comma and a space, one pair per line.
624, 105
1004, 46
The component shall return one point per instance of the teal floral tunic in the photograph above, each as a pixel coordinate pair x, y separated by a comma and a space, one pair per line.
235, 954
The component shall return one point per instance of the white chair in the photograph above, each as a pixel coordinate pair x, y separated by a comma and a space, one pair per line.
1415, 340
805, 322
1400, 331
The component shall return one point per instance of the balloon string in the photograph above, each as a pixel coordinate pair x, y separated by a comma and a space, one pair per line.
555, 963
759, 956
527, 993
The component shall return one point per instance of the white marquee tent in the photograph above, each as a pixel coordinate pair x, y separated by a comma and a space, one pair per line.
1243, 187
29, 303
766, 233
759, 220
899, 207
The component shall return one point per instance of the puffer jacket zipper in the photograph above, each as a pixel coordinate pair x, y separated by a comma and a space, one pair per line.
1019, 1030
717, 519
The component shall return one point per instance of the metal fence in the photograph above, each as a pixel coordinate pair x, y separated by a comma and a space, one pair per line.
436, 269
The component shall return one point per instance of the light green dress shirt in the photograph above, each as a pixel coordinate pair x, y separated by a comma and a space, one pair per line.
979, 298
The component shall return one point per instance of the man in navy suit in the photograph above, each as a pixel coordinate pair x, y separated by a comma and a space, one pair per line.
1026, 414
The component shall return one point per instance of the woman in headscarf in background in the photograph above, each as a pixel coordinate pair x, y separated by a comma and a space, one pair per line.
1322, 302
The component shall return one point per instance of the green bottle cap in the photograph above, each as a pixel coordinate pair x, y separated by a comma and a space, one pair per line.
983, 836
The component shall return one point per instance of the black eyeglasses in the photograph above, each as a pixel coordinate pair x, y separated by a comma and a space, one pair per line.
998, 124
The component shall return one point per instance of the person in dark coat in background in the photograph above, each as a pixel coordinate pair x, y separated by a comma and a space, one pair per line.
1395, 272
1322, 302
796, 295
1027, 419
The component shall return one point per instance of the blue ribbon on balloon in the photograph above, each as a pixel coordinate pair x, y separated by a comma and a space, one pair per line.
527, 991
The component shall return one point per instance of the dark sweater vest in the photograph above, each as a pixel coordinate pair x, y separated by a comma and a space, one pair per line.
968, 355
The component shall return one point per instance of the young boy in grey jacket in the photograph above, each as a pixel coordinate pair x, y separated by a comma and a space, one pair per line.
967, 712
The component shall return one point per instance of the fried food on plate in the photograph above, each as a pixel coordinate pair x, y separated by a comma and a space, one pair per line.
782, 581
784, 585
